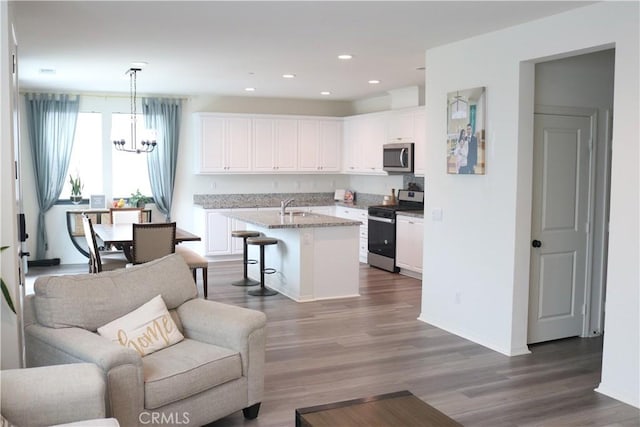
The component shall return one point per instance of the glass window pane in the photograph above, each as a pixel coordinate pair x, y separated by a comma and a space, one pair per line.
86, 156
129, 170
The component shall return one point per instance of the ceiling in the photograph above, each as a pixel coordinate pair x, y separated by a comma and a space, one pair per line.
220, 48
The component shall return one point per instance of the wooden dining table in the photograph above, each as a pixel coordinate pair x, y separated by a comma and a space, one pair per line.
122, 235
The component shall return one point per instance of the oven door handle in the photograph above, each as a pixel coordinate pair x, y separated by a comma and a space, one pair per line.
387, 220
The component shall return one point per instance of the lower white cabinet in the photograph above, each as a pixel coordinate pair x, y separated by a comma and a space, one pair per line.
362, 216
217, 234
322, 210
409, 241
216, 228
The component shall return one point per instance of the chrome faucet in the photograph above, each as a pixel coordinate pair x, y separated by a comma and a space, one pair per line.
284, 204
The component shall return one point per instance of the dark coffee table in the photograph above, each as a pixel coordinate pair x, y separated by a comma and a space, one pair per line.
399, 409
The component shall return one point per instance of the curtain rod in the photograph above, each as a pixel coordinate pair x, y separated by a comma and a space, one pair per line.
105, 95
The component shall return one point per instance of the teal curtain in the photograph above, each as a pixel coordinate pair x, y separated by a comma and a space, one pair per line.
51, 120
163, 115
472, 117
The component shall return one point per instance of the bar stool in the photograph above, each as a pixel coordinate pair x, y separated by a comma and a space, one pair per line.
262, 241
244, 234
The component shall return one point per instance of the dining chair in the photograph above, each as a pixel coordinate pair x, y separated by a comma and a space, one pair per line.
153, 240
125, 215
101, 260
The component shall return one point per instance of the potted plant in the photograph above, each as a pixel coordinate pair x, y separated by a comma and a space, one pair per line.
76, 189
138, 200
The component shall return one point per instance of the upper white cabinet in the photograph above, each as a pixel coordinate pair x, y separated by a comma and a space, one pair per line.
275, 145
261, 143
225, 143
364, 136
401, 126
265, 143
420, 135
319, 145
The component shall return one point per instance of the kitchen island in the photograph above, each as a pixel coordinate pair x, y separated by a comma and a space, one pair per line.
316, 256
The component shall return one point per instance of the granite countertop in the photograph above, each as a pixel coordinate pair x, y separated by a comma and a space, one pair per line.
294, 219
267, 200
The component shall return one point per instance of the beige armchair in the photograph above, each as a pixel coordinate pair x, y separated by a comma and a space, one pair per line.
45, 397
215, 371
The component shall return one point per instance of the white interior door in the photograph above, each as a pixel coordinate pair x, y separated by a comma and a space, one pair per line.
21, 246
559, 226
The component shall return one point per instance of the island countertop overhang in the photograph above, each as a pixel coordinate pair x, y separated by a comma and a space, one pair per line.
273, 219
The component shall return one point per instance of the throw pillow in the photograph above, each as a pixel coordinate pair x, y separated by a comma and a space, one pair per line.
147, 329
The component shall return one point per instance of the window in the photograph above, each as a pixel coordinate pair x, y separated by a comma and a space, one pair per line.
86, 156
129, 171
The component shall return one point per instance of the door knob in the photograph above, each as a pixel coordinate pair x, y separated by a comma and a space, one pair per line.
536, 243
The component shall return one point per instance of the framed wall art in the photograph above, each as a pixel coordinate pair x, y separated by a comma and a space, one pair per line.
466, 144
97, 201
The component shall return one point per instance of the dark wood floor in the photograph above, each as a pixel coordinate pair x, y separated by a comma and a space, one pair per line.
328, 351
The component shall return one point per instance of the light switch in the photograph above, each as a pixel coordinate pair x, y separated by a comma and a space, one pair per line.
436, 214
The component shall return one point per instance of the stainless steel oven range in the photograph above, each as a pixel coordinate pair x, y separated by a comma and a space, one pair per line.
382, 229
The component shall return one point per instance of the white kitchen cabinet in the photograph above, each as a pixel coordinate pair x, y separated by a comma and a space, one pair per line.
364, 137
420, 147
401, 127
409, 241
217, 233
216, 227
322, 210
225, 143
319, 145
275, 145
362, 216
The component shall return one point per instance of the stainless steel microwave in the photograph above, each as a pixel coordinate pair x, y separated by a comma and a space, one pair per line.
397, 158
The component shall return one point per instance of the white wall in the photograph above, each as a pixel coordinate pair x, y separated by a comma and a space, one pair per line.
476, 260
9, 351
586, 81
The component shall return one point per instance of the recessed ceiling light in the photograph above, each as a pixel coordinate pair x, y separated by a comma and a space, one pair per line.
345, 56
250, 89
325, 92
288, 76
49, 71
139, 64
420, 68
374, 82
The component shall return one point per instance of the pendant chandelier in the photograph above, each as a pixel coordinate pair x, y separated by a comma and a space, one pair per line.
146, 145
